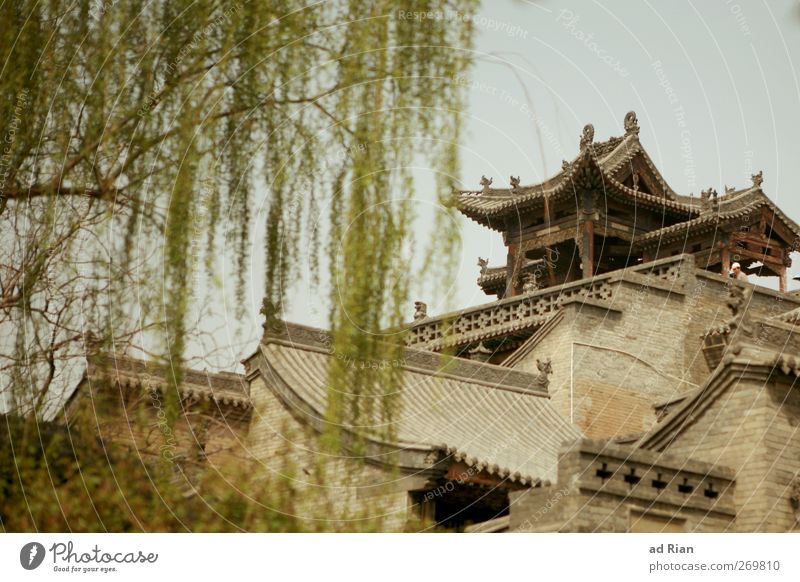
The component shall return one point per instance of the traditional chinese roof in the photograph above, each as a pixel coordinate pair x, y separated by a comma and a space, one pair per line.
493, 280
596, 166
732, 207
487, 416
223, 388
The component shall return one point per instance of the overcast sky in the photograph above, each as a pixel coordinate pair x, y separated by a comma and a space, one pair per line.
714, 85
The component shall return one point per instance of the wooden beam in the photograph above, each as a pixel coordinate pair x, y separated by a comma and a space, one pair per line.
460, 472
777, 226
587, 248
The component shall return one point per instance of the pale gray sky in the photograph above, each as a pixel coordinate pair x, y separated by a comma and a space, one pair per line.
714, 83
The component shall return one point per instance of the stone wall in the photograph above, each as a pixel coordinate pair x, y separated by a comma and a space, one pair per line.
613, 360
752, 427
138, 419
341, 492
607, 488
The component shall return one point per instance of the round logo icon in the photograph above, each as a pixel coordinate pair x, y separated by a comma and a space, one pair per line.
31, 555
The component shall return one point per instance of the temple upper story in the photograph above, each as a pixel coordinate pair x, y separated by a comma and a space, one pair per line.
610, 208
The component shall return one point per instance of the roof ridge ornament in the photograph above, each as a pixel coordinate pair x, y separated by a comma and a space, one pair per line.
271, 312
545, 368
485, 182
483, 264
420, 310
530, 282
631, 123
514, 182
709, 200
479, 350
587, 137
757, 179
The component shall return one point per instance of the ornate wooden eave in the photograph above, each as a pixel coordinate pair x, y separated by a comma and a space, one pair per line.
732, 209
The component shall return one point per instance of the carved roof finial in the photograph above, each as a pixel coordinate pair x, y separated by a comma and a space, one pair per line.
631, 123
420, 310
483, 264
587, 137
545, 368
530, 282
709, 201
270, 311
757, 179
565, 165
514, 182
480, 353
729, 189
485, 182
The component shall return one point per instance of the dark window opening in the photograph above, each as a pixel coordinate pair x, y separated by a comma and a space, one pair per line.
603, 472
632, 478
658, 483
454, 506
710, 493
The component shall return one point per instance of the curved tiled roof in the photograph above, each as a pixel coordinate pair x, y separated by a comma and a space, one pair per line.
601, 160
467, 411
224, 388
492, 277
731, 207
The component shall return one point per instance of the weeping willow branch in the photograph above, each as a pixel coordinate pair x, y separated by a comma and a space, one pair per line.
153, 125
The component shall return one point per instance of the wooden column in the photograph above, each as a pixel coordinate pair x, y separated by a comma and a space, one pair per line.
782, 279
587, 248
551, 275
587, 237
513, 287
726, 261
